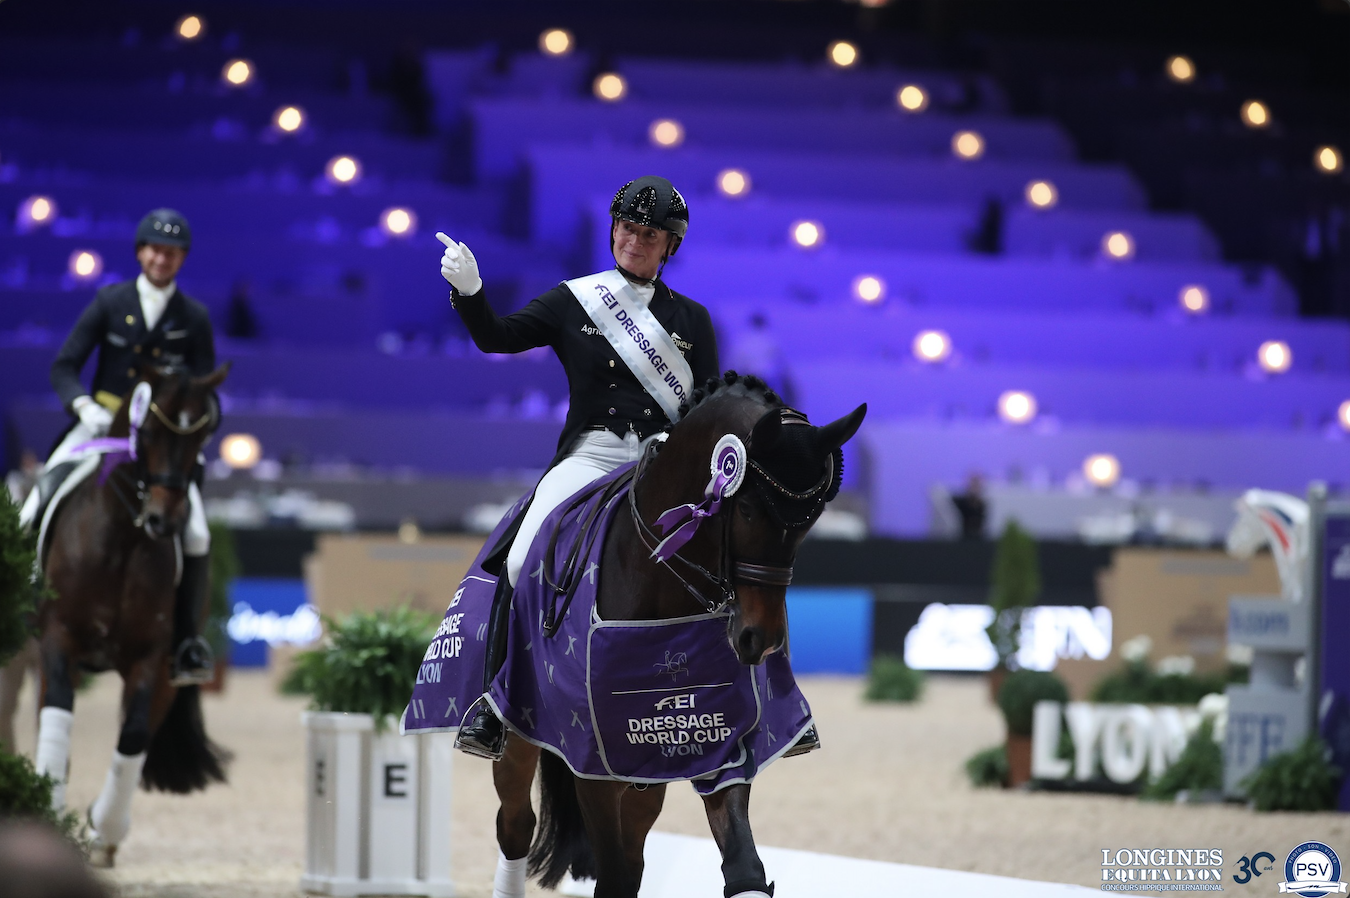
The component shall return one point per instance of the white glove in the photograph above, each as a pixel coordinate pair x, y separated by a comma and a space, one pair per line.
93, 416
459, 267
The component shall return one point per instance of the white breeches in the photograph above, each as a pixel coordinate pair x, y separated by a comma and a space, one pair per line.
196, 536
596, 454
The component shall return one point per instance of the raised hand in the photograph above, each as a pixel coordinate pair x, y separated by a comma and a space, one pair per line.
459, 267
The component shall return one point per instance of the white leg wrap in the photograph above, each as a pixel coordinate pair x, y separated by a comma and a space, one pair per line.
510, 879
751, 895
53, 750
111, 813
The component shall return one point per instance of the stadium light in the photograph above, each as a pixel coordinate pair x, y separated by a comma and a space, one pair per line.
1102, 470
808, 234
912, 98
968, 144
666, 132
733, 182
1016, 407
189, 28
36, 211
843, 54
85, 264
932, 346
1194, 299
869, 289
1274, 356
344, 170
1042, 195
1180, 69
555, 42
237, 72
1328, 160
1118, 245
1343, 415
241, 451
289, 119
1255, 114
610, 87
398, 221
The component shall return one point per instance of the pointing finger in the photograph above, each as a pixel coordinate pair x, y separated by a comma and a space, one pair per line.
444, 239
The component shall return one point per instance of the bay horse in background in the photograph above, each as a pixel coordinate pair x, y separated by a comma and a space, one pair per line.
112, 560
740, 559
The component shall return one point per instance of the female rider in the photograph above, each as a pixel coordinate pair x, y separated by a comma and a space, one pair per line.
633, 350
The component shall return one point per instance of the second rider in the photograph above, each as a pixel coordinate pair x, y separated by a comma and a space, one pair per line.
633, 350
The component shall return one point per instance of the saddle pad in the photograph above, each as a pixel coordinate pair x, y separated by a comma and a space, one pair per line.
78, 475
640, 701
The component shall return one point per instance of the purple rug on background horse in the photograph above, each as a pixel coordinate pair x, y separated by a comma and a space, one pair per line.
642, 701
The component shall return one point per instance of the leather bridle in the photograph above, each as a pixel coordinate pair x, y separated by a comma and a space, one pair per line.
729, 571
137, 484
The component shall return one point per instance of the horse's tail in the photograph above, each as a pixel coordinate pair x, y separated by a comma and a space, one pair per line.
181, 757
560, 842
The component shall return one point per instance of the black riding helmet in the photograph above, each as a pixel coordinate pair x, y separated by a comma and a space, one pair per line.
164, 226
652, 202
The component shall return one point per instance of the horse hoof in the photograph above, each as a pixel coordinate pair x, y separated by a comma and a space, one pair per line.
102, 856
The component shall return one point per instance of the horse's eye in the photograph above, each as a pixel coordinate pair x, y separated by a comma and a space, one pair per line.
746, 509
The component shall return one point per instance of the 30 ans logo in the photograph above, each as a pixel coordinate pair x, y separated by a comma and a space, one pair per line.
1312, 870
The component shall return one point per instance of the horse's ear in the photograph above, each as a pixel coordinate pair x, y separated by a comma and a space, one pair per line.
214, 379
830, 437
765, 432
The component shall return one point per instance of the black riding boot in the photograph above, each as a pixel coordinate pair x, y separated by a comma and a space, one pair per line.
193, 662
484, 735
809, 741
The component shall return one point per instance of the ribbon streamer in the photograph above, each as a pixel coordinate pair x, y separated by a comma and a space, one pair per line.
679, 524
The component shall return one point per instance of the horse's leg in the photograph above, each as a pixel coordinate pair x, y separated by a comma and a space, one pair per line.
729, 818
513, 775
11, 690
57, 714
638, 811
602, 808
110, 814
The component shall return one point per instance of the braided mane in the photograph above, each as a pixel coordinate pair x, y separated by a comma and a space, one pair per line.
715, 385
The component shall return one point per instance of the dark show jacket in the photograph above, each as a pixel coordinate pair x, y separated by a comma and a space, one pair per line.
602, 390
115, 325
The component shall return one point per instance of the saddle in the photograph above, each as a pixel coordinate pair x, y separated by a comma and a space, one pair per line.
54, 486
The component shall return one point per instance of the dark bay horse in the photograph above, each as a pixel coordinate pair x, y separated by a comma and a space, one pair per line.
112, 563
742, 557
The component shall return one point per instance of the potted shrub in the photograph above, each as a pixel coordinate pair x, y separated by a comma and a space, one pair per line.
23, 791
1014, 585
224, 569
1017, 699
371, 792
892, 680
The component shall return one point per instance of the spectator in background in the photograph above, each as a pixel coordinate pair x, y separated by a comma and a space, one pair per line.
971, 506
240, 322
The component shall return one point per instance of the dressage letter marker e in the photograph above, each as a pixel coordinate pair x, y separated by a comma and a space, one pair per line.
395, 780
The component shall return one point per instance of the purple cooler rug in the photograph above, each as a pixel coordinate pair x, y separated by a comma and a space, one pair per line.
640, 701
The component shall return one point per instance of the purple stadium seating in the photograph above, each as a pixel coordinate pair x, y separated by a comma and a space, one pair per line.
905, 458
503, 129
1083, 341
564, 180
1162, 398
795, 85
713, 275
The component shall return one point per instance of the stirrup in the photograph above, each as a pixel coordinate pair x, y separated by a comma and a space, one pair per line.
476, 738
810, 741
193, 663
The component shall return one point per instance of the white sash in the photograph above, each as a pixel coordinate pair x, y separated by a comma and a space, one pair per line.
636, 335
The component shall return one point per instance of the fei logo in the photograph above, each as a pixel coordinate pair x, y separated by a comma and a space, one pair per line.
1312, 870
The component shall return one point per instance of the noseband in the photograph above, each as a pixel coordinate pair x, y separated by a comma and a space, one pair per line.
140, 483
729, 572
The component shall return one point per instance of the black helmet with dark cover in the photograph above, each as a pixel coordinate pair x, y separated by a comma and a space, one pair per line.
164, 226
653, 202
